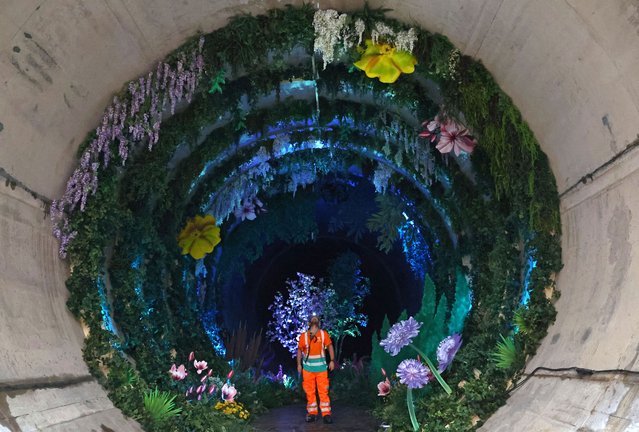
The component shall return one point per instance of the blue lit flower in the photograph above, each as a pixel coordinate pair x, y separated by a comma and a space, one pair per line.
447, 350
413, 373
400, 335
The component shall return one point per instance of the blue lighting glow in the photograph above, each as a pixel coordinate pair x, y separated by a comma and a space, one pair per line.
107, 321
414, 247
209, 322
531, 265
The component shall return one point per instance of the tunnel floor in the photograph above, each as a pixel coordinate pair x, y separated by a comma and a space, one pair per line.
291, 419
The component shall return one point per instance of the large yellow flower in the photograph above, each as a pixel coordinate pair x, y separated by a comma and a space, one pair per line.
199, 237
383, 61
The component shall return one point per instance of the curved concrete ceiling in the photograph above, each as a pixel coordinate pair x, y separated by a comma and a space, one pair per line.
569, 65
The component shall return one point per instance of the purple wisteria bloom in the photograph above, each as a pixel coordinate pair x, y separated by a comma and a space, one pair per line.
447, 350
124, 123
400, 335
413, 373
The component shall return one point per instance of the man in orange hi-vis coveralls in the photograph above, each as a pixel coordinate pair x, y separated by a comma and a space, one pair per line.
311, 349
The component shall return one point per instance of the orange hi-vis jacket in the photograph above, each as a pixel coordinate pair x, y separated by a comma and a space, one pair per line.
314, 373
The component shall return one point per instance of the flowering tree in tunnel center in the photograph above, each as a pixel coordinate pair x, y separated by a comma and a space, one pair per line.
337, 305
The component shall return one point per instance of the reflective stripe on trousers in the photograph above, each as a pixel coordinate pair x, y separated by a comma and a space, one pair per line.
319, 380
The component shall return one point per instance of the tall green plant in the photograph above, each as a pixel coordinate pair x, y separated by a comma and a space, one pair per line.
433, 319
461, 306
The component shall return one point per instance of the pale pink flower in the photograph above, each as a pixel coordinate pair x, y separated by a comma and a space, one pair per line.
245, 211
431, 128
384, 388
212, 389
200, 366
455, 138
178, 374
192, 356
228, 392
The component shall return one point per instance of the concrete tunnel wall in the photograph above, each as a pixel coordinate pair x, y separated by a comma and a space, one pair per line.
571, 66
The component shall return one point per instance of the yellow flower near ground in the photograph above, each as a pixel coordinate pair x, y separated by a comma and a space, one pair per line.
234, 409
383, 61
199, 237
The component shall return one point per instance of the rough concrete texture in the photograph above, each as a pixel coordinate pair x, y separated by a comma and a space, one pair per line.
555, 405
596, 327
44, 383
569, 65
82, 407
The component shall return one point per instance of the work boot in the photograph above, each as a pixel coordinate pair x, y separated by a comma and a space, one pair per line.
310, 418
328, 419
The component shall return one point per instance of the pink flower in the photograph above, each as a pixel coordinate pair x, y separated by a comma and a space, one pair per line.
455, 138
210, 373
245, 211
200, 366
178, 374
431, 128
192, 356
204, 378
212, 389
228, 392
230, 375
383, 372
384, 388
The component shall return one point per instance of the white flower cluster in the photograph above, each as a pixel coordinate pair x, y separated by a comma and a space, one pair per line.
334, 31
453, 63
402, 40
329, 26
381, 176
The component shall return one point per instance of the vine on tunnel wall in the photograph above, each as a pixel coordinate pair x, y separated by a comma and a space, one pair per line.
126, 232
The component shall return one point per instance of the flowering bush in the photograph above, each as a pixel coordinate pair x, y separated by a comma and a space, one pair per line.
234, 409
305, 298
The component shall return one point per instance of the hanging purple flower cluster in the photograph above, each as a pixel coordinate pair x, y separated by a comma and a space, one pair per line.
126, 122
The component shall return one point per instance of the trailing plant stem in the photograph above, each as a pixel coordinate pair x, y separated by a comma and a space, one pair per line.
433, 369
411, 409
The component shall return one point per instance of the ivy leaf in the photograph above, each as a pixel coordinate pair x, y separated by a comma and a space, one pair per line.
240, 116
217, 81
387, 221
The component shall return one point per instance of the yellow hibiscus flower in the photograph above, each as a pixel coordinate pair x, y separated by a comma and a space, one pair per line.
199, 237
383, 61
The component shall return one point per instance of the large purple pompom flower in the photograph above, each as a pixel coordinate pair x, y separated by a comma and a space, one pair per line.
413, 373
400, 335
447, 350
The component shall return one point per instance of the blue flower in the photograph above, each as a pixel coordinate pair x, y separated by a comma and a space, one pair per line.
400, 335
413, 373
447, 350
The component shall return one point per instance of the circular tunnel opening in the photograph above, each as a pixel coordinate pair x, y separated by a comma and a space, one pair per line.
241, 162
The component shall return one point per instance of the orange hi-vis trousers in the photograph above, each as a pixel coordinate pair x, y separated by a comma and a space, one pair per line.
319, 380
